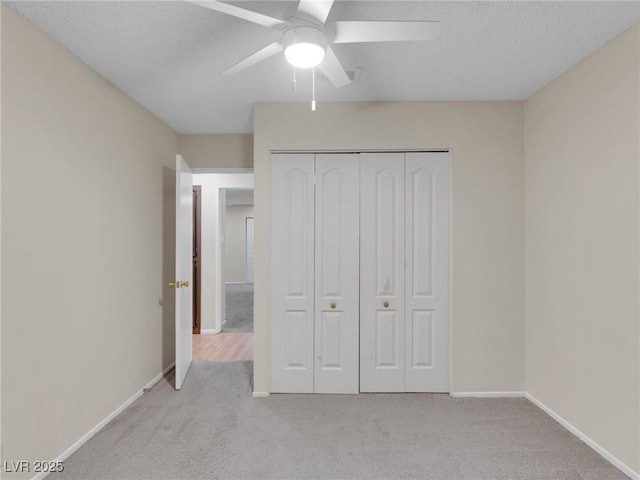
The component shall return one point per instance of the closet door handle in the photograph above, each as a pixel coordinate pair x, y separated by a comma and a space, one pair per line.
333, 305
386, 304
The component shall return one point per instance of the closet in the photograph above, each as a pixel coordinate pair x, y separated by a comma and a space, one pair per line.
360, 272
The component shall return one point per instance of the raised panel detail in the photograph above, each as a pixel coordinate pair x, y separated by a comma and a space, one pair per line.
297, 188
331, 357
382, 272
291, 277
296, 325
336, 282
422, 246
332, 183
422, 339
386, 339
386, 236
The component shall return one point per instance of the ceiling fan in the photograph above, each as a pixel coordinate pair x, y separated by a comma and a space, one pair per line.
307, 38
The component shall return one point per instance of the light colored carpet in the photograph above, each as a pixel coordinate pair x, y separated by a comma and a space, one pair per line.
213, 429
239, 308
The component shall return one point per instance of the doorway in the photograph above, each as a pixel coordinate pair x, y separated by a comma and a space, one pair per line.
197, 238
237, 263
225, 333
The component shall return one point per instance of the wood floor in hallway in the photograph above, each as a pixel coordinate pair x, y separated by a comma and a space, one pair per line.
223, 347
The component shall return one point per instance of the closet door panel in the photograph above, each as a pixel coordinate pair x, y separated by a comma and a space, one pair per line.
292, 273
382, 326
427, 189
337, 273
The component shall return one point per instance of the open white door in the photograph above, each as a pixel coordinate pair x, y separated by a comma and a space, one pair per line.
184, 271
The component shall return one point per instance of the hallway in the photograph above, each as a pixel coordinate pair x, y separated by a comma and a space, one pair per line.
223, 347
239, 308
235, 342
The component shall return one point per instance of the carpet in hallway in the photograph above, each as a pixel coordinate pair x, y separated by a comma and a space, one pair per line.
239, 308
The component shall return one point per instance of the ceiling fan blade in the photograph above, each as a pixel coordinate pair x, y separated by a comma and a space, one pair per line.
356, 32
333, 69
262, 54
249, 15
318, 9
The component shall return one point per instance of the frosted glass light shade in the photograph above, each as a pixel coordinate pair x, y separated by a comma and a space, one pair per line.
304, 46
304, 55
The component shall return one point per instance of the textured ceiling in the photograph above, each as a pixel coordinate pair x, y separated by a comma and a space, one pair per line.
169, 55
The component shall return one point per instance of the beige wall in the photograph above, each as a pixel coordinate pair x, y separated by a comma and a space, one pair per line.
582, 237
486, 140
217, 150
1, 441
84, 166
235, 243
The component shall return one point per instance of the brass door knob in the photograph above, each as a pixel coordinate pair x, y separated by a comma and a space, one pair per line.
184, 284
333, 305
386, 304
174, 284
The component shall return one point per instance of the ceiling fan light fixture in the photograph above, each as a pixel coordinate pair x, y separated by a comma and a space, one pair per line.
304, 55
304, 47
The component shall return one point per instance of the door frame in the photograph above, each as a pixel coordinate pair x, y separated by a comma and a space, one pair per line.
246, 245
197, 243
218, 240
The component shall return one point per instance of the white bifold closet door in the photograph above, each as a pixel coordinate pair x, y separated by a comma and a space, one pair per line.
337, 273
292, 259
314, 273
382, 273
404, 269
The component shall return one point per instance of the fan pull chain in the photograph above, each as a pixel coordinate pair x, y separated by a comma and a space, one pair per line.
295, 82
313, 90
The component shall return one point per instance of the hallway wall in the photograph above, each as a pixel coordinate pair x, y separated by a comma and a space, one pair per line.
235, 244
217, 150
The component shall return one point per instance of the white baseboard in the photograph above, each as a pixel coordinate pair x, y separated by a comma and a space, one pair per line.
158, 377
87, 436
235, 283
509, 394
261, 394
208, 331
628, 471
